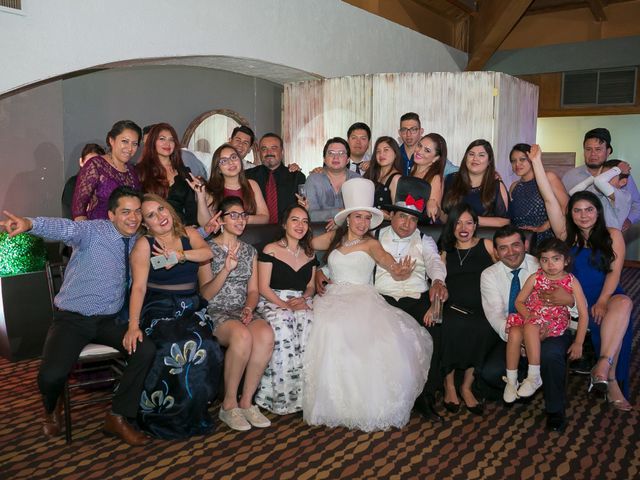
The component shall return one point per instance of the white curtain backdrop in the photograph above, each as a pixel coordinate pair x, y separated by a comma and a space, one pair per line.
461, 107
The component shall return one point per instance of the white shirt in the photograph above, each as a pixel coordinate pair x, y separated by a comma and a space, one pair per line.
428, 264
495, 285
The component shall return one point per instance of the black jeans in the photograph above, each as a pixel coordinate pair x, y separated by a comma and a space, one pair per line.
553, 362
68, 335
417, 307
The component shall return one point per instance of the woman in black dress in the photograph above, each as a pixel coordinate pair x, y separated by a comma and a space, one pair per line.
467, 336
286, 270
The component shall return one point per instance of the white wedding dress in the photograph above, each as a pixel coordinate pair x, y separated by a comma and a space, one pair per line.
366, 361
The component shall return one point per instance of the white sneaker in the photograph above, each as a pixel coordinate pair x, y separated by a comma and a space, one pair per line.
255, 417
510, 394
529, 386
234, 419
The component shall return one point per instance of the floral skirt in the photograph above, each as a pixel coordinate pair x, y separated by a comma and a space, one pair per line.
280, 389
186, 373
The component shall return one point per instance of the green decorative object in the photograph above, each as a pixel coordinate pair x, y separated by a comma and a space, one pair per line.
23, 253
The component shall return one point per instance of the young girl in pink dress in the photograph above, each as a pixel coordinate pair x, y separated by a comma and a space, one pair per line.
534, 318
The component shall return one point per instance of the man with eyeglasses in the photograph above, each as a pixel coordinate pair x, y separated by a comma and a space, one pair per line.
597, 149
410, 132
278, 183
324, 189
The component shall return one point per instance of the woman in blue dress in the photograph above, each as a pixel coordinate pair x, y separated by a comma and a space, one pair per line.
166, 307
526, 206
598, 254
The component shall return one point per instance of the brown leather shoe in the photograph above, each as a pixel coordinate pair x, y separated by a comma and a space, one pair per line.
52, 422
118, 426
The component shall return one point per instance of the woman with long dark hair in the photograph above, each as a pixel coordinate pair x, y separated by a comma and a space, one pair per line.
384, 171
429, 158
162, 172
598, 254
476, 184
467, 336
227, 179
286, 270
101, 175
526, 208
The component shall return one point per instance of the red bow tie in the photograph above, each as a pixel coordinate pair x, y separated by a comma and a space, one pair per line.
410, 201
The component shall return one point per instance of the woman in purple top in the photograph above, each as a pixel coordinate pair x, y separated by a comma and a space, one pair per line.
101, 175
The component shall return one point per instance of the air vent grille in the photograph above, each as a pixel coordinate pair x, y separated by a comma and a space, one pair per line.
603, 87
14, 4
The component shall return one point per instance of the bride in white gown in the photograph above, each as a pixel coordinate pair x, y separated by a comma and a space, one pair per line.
365, 361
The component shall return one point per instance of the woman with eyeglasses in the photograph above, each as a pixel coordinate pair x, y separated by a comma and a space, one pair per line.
231, 288
324, 189
227, 179
101, 175
429, 158
161, 171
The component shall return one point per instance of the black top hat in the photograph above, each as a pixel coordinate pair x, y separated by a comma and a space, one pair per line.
412, 195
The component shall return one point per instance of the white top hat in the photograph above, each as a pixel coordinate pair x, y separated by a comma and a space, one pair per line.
358, 194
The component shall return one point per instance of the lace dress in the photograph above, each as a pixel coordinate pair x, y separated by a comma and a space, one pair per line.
230, 300
366, 362
186, 373
96, 180
280, 389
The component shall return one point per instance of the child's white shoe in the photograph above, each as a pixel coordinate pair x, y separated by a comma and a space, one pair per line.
510, 394
529, 386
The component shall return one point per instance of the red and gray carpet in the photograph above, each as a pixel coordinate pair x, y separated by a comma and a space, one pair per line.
598, 443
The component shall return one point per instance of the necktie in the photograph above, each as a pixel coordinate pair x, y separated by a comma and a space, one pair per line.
514, 290
272, 198
358, 169
123, 316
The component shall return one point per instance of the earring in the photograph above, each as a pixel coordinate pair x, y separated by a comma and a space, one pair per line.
347, 222
221, 228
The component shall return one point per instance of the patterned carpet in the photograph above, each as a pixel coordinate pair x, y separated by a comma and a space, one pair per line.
598, 443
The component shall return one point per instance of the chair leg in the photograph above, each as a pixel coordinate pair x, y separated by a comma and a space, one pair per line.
67, 413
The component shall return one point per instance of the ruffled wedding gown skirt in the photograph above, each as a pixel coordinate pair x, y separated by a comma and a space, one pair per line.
366, 361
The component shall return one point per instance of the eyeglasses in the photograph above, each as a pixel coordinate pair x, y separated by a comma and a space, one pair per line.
623, 176
236, 215
334, 154
225, 160
412, 130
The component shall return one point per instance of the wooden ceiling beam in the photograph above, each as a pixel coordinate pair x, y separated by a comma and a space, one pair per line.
490, 26
597, 10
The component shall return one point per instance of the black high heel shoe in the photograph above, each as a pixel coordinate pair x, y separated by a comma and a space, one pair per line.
599, 383
477, 409
452, 407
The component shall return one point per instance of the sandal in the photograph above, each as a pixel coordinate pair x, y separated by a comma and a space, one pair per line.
599, 383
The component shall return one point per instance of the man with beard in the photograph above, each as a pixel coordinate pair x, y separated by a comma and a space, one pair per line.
597, 149
277, 183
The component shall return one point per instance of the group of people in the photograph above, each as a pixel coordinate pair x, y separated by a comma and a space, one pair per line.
389, 321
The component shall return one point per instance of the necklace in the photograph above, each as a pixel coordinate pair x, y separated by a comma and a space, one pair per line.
351, 243
286, 246
462, 259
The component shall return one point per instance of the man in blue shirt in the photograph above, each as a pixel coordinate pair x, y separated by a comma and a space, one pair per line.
90, 298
